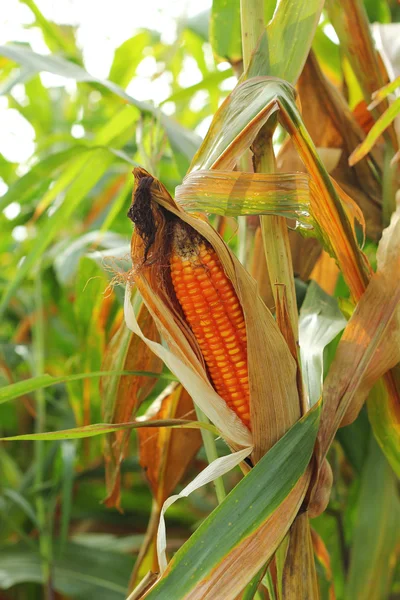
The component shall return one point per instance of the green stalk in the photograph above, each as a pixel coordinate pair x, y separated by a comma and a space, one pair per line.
40, 424
274, 229
212, 454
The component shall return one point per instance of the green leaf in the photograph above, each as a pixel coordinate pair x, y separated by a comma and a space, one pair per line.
128, 56
382, 414
22, 503
60, 66
378, 11
375, 132
87, 431
68, 455
374, 548
67, 255
242, 513
250, 104
47, 168
320, 321
285, 45
183, 141
384, 92
81, 572
21, 388
93, 168
225, 30
199, 24
354, 439
56, 37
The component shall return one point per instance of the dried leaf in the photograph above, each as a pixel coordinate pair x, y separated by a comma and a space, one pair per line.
299, 576
332, 125
233, 130
233, 193
370, 344
350, 21
325, 273
165, 454
122, 395
322, 555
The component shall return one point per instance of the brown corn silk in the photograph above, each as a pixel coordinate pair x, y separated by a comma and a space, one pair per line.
273, 396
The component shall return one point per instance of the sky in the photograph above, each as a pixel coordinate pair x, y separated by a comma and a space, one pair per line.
102, 27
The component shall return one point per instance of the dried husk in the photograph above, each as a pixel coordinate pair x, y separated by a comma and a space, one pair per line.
299, 575
332, 125
123, 394
370, 344
272, 370
166, 453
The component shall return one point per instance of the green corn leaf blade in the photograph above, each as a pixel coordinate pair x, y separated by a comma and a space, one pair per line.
376, 534
56, 37
209, 83
80, 571
285, 45
87, 431
21, 388
199, 24
61, 66
68, 455
82, 174
378, 11
382, 414
354, 439
91, 171
128, 56
375, 132
238, 120
18, 500
328, 53
68, 253
384, 92
225, 30
183, 141
244, 511
319, 323
22, 188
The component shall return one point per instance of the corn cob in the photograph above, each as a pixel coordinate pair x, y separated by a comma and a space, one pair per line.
215, 316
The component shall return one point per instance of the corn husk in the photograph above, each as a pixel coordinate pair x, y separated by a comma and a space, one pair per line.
272, 370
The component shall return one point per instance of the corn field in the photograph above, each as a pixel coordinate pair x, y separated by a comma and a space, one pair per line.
200, 296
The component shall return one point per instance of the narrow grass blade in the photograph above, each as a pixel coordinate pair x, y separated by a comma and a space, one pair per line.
15, 390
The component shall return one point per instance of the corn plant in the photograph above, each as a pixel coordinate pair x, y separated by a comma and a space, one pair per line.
233, 373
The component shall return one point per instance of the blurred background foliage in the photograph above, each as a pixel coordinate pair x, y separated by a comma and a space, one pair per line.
70, 142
